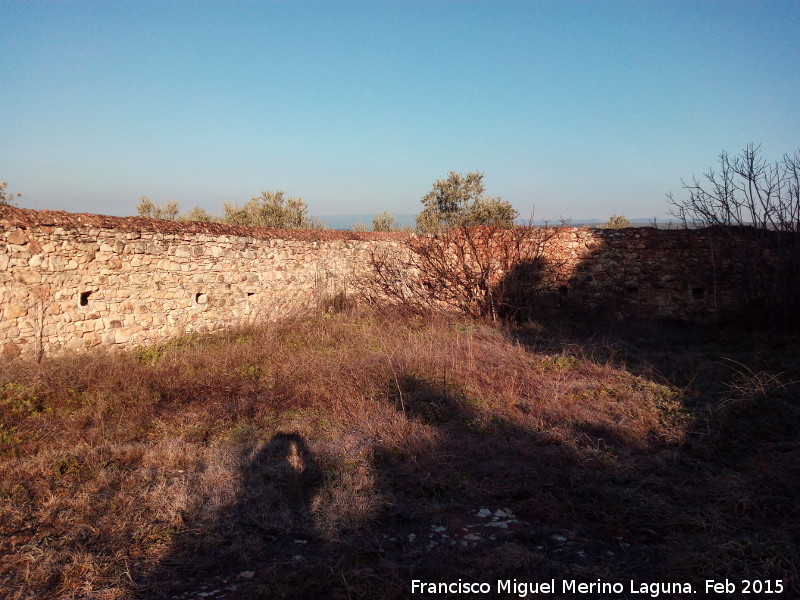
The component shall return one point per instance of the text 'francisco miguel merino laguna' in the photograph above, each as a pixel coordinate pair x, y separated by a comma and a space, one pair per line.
567, 586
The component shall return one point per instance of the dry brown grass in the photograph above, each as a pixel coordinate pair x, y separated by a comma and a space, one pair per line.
121, 473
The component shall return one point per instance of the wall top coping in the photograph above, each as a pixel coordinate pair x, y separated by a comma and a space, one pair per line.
26, 218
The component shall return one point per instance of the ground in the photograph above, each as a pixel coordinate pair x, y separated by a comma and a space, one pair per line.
347, 455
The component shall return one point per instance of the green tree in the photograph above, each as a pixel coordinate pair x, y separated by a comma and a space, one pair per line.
271, 209
459, 201
6, 197
617, 222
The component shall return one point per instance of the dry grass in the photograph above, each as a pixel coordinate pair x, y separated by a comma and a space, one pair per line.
122, 473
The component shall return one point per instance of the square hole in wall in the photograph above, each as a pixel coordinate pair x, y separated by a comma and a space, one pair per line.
83, 299
698, 293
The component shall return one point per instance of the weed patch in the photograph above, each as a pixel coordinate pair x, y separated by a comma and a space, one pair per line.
379, 448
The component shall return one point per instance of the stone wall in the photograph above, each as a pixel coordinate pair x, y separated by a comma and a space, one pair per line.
641, 272
75, 281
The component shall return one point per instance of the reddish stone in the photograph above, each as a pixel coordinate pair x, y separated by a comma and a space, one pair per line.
9, 350
17, 237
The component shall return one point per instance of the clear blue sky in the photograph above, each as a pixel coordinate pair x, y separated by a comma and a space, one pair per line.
585, 109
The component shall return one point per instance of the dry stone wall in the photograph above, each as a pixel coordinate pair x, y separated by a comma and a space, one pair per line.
76, 281
641, 272
73, 281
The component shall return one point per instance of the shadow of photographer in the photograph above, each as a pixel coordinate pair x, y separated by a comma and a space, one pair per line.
272, 507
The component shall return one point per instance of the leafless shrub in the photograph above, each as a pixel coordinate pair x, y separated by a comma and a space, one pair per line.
479, 271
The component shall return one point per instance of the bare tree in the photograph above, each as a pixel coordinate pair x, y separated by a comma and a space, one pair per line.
747, 191
753, 209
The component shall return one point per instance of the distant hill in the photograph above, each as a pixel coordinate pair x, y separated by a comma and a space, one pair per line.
346, 222
661, 223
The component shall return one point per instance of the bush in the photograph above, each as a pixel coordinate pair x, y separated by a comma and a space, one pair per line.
6, 197
149, 210
617, 222
197, 214
384, 222
273, 210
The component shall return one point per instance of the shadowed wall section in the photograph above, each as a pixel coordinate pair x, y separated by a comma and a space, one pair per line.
75, 281
640, 272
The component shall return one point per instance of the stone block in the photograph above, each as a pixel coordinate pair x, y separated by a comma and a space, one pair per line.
91, 339
14, 311
9, 350
17, 237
